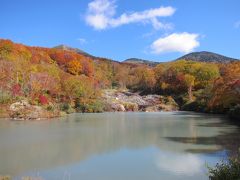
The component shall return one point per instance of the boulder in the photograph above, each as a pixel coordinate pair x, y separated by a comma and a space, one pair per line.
22, 110
151, 109
18, 106
118, 107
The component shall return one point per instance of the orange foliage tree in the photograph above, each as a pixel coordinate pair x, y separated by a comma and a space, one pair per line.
226, 89
74, 67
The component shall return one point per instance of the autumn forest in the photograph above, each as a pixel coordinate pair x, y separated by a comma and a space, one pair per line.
63, 80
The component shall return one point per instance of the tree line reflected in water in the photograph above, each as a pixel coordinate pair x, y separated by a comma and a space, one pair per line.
28, 146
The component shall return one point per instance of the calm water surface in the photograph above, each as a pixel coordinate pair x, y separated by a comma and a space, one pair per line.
116, 146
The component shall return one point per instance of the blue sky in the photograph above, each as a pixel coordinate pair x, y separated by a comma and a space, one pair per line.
159, 30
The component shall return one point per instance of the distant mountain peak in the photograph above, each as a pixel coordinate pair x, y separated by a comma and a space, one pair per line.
140, 61
205, 56
68, 48
62, 46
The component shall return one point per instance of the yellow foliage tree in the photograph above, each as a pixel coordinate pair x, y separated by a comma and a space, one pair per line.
189, 80
74, 67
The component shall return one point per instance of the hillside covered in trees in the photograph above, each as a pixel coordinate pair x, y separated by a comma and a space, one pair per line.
64, 80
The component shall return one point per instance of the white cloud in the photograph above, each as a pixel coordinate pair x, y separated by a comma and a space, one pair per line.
82, 40
237, 24
159, 25
176, 42
100, 15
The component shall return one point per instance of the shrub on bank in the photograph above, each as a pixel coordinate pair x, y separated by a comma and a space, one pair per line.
198, 106
130, 107
234, 112
5, 97
181, 99
94, 107
50, 107
66, 107
229, 170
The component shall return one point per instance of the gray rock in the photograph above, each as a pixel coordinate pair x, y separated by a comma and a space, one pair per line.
22, 110
118, 107
17, 106
128, 101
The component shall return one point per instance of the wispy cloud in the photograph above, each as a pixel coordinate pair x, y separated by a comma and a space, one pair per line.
82, 40
176, 42
237, 24
100, 15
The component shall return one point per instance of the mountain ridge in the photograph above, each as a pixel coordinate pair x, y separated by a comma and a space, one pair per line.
206, 56
82, 52
201, 56
141, 61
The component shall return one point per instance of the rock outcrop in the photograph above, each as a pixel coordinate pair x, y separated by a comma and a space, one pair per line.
22, 110
127, 101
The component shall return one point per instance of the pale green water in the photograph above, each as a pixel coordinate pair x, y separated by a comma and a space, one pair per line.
115, 146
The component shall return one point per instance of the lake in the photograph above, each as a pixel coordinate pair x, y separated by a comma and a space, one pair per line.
116, 146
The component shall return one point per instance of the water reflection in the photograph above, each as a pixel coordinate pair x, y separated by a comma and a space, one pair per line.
147, 142
185, 164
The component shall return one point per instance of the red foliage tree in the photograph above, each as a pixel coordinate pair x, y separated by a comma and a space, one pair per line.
43, 99
16, 90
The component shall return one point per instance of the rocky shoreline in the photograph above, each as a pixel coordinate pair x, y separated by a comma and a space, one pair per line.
112, 100
22, 110
127, 101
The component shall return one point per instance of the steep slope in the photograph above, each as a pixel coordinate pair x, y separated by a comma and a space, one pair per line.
205, 56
